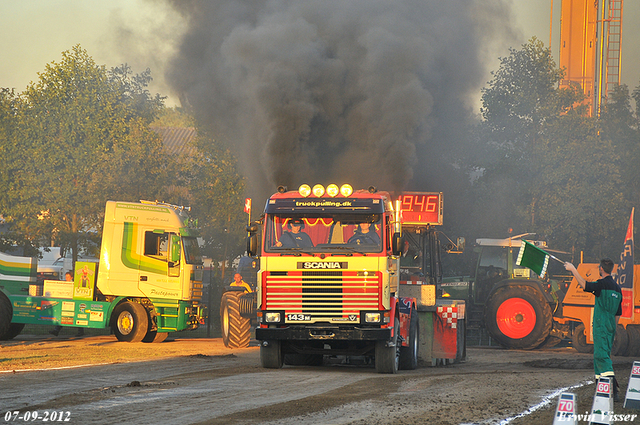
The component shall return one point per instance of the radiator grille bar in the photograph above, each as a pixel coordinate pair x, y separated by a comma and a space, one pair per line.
323, 294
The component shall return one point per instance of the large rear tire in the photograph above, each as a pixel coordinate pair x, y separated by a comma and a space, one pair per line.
518, 316
409, 354
14, 331
579, 339
271, 354
130, 322
236, 330
6, 314
388, 355
620, 342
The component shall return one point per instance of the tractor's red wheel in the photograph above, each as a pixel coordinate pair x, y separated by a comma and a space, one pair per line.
516, 318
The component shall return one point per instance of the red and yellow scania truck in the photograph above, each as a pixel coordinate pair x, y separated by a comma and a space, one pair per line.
329, 280
148, 281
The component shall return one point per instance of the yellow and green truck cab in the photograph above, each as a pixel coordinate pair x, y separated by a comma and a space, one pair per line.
148, 280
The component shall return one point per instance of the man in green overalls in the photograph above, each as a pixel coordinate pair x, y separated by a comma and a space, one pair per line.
608, 305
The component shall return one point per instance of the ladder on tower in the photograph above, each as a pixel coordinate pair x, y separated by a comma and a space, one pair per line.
613, 46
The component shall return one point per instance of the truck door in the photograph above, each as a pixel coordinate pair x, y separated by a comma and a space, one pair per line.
155, 277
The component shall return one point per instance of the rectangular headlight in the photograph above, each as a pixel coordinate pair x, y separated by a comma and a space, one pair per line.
272, 317
372, 317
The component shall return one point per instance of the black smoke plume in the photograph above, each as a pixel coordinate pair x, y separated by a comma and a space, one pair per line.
370, 92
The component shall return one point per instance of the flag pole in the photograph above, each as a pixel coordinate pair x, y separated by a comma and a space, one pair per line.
555, 258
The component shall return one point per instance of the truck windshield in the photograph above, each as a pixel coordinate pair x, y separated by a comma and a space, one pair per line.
191, 250
336, 233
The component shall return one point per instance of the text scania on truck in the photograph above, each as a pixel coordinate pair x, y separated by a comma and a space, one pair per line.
148, 281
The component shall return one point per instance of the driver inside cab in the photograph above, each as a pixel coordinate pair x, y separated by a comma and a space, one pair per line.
364, 235
294, 237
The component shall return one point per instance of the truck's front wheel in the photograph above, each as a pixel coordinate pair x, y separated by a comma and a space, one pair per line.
271, 354
131, 322
518, 316
388, 355
236, 330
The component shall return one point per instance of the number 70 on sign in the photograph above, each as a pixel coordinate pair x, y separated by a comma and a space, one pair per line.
565, 406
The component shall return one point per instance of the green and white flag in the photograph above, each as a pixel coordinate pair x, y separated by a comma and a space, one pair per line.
534, 258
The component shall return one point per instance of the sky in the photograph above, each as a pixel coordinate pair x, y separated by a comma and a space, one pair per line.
142, 34
34, 33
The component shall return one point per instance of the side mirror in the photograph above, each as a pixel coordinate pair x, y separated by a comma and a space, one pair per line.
174, 249
252, 245
252, 238
457, 248
396, 244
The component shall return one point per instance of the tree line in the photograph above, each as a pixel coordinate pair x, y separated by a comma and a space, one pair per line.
81, 135
541, 164
534, 162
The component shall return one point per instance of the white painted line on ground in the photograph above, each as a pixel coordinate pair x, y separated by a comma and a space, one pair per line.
545, 401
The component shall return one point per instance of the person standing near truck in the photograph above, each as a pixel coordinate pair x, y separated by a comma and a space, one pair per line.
608, 305
238, 281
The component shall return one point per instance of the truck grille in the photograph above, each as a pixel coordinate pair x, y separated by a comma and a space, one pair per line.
323, 295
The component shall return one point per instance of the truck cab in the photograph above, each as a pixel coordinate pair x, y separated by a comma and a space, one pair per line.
147, 283
329, 277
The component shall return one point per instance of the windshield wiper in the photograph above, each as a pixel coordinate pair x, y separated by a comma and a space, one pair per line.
348, 248
298, 252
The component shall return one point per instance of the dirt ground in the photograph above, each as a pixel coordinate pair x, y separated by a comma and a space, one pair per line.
98, 380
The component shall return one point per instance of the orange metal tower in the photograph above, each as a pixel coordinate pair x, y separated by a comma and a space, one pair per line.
592, 61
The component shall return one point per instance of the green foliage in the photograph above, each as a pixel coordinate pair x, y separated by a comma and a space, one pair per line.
546, 166
620, 125
132, 92
522, 96
217, 192
79, 136
174, 117
575, 197
8, 110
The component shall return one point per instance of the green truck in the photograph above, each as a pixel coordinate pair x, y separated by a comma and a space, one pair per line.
147, 283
